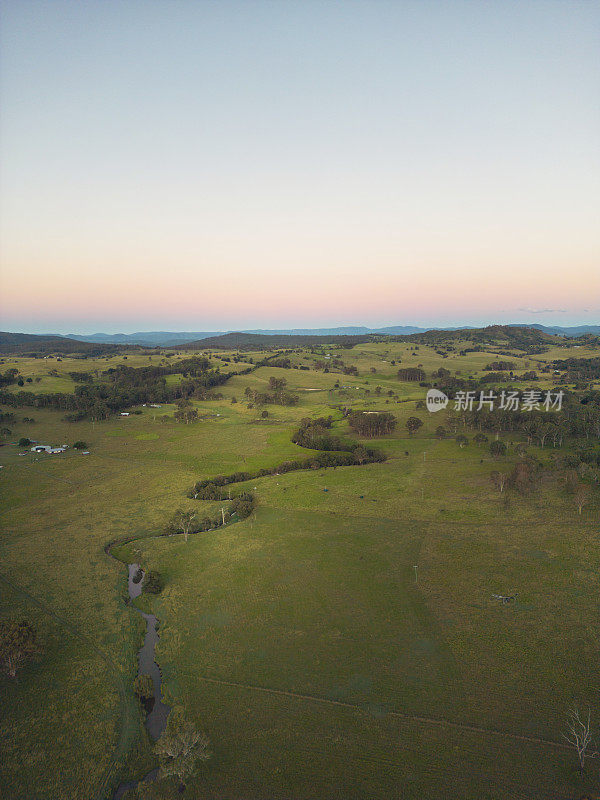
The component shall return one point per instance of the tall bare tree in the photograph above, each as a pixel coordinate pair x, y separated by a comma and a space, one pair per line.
499, 479
581, 497
579, 735
183, 521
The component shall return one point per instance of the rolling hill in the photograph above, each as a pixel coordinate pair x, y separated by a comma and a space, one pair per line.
21, 343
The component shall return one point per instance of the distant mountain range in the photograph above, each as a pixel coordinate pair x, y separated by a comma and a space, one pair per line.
175, 338
18, 343
506, 336
103, 343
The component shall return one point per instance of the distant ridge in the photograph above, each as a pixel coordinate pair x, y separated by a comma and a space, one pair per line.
100, 343
507, 335
261, 341
20, 343
175, 338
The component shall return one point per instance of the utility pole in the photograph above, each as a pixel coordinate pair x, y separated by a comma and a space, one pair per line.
223, 515
416, 567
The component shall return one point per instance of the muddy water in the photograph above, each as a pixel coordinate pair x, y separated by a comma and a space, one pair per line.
156, 720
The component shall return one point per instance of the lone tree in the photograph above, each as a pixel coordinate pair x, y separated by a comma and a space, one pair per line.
579, 735
17, 645
183, 522
497, 448
581, 497
413, 424
499, 479
180, 747
80, 445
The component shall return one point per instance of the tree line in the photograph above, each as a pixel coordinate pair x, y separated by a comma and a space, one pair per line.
125, 387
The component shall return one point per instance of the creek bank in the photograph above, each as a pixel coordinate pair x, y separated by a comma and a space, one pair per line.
156, 719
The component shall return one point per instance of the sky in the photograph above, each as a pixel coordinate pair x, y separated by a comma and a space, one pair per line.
202, 165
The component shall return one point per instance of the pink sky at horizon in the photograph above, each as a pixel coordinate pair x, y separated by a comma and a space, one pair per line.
298, 165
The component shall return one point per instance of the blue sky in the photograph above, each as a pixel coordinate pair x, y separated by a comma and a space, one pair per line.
203, 165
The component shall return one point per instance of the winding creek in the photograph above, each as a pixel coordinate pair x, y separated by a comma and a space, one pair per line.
156, 719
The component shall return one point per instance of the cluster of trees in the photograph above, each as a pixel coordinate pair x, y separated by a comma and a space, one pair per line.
336, 365
577, 419
501, 377
579, 370
523, 477
526, 475
277, 394
185, 412
495, 377
500, 366
441, 373
123, 387
415, 374
9, 377
315, 434
186, 521
370, 424
181, 747
282, 363
81, 377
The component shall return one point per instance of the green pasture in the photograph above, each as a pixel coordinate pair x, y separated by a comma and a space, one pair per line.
320, 664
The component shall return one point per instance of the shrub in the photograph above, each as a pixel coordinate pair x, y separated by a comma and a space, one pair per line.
497, 448
242, 505
18, 644
138, 576
153, 583
413, 424
210, 492
80, 445
143, 687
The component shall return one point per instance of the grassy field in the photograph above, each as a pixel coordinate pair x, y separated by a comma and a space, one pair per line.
319, 661
37, 377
